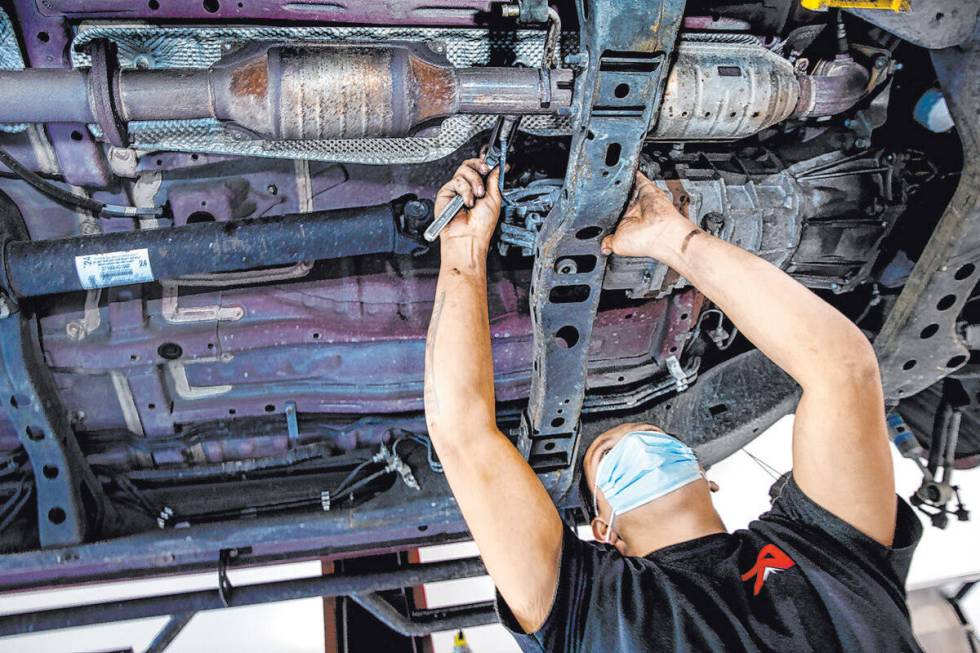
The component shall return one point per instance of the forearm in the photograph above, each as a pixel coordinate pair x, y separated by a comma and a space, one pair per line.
840, 446
804, 335
458, 361
498, 493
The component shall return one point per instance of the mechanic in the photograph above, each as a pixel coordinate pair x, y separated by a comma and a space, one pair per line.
823, 570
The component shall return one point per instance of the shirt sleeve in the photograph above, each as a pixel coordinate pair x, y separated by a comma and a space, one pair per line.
791, 504
562, 630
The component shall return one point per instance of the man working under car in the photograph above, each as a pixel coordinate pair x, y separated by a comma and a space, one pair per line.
669, 576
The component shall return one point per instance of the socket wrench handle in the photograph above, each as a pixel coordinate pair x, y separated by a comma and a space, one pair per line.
500, 138
448, 213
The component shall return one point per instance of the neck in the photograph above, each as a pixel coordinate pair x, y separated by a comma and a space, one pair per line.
663, 523
644, 539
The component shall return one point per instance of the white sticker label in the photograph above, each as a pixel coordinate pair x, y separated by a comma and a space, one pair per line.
114, 268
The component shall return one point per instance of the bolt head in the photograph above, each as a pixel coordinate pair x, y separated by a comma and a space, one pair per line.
567, 266
416, 209
75, 331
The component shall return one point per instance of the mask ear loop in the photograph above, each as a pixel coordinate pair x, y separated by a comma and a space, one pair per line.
595, 509
595, 503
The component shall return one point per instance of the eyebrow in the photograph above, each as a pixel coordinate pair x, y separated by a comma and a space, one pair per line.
597, 445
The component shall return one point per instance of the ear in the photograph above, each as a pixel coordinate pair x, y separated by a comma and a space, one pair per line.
599, 529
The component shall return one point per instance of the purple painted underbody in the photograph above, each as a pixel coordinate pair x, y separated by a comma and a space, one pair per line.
346, 341
388, 12
352, 345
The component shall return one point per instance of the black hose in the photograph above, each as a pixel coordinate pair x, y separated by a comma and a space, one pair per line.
287, 504
100, 209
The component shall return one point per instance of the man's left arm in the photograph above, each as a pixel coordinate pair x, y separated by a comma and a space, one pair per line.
508, 511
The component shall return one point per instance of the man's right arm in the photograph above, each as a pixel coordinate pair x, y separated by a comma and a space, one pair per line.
841, 456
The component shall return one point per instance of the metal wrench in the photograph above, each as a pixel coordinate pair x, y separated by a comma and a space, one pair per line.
496, 155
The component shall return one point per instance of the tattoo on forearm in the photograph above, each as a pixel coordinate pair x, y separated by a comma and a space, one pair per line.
688, 238
430, 395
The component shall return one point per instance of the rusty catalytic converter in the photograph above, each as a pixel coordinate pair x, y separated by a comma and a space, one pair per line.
294, 92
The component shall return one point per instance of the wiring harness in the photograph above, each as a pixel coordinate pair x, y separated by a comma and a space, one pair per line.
100, 209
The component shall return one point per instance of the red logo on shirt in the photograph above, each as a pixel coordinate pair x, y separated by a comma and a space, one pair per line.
771, 558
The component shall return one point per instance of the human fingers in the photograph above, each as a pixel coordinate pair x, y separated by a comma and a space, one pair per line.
444, 196
488, 208
473, 178
607, 245
648, 192
642, 180
493, 185
464, 190
476, 163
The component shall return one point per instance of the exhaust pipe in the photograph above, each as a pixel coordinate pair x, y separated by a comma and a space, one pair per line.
287, 92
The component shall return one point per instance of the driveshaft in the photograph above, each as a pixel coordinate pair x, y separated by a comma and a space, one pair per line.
44, 267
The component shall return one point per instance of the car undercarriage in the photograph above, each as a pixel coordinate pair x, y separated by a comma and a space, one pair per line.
216, 287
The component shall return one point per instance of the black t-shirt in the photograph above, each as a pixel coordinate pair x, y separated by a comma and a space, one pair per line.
798, 579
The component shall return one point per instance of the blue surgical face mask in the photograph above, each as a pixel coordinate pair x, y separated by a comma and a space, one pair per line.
643, 466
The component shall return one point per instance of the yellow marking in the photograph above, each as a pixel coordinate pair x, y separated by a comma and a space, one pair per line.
889, 5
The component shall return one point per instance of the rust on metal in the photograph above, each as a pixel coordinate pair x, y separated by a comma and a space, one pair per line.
682, 202
336, 92
434, 89
251, 79
679, 196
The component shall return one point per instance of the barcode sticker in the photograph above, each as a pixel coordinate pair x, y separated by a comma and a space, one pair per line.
114, 268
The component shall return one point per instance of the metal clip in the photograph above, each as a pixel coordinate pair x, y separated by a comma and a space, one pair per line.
676, 371
393, 463
225, 557
79, 329
325, 500
166, 514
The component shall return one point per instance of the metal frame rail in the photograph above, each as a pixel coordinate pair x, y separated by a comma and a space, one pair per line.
360, 586
70, 502
625, 47
919, 343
